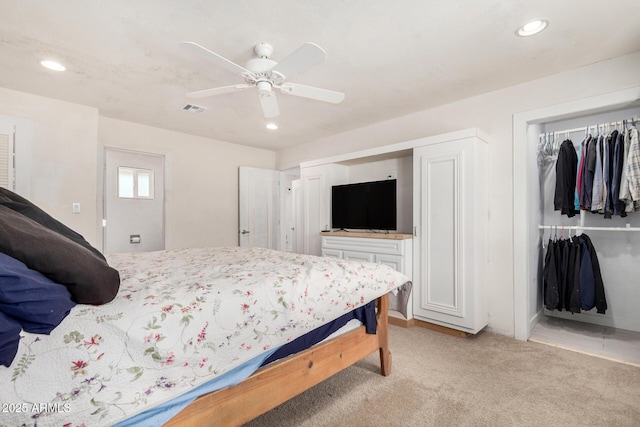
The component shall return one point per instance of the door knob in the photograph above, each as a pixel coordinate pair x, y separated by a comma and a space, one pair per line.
245, 232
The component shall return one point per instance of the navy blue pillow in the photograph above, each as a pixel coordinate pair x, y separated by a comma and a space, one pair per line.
9, 339
35, 301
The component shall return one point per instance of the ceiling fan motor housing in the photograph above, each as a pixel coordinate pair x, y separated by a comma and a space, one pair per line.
260, 65
262, 76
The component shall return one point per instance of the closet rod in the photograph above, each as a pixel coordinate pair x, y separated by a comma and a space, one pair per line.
578, 227
632, 121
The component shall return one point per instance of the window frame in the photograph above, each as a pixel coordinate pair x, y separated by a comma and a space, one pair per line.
136, 187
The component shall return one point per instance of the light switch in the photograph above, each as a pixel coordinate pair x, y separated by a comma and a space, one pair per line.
75, 208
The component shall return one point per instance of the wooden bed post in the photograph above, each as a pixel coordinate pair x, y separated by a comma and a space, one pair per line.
383, 334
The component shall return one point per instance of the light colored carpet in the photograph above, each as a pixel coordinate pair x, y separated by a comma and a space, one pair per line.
484, 380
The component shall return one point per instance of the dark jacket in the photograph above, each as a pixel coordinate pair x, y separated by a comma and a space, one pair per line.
566, 168
600, 300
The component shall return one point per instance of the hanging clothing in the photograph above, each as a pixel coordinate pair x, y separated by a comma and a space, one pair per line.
598, 182
566, 169
633, 166
625, 194
600, 300
572, 280
546, 160
578, 189
582, 173
588, 173
609, 146
572, 291
550, 277
618, 160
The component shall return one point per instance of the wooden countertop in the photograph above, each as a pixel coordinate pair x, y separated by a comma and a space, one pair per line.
368, 235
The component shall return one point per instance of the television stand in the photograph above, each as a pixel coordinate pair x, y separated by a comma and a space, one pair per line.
394, 250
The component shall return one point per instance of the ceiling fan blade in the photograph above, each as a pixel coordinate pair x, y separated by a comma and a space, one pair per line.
305, 57
269, 105
311, 92
216, 59
217, 91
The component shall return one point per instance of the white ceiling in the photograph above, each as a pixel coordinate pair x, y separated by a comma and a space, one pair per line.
390, 58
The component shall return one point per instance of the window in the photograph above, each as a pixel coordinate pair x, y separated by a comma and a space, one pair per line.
134, 183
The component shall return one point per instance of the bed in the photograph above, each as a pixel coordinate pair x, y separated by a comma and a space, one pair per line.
183, 338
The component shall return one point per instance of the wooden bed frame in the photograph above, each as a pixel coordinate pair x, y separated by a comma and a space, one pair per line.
278, 382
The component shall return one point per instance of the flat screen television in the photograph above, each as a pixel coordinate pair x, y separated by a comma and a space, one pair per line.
364, 205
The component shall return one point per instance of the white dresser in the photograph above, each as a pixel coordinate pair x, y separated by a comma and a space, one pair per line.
394, 250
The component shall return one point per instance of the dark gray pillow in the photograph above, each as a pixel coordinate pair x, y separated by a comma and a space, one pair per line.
28, 209
89, 279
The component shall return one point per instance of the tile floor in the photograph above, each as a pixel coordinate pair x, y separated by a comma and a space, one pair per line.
603, 341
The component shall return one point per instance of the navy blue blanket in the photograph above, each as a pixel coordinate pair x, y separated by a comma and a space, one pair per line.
366, 314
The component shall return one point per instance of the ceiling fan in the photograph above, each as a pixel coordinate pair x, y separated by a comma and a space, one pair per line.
266, 75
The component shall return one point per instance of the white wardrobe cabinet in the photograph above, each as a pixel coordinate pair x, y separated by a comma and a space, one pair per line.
450, 214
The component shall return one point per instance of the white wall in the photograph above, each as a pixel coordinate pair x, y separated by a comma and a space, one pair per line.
201, 180
60, 147
493, 113
59, 141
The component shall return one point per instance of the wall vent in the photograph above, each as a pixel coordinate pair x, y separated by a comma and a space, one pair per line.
194, 108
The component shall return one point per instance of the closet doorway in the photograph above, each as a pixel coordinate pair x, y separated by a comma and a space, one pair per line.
616, 334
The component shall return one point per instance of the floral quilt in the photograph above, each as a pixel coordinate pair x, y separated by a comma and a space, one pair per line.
180, 318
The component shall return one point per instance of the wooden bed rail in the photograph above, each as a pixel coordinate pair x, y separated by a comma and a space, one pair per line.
278, 382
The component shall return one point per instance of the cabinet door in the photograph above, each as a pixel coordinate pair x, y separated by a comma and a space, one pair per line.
358, 256
446, 186
331, 253
393, 261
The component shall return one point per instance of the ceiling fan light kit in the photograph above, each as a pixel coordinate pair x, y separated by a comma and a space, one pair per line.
264, 88
266, 74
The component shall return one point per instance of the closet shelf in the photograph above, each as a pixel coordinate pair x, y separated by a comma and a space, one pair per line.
632, 122
582, 228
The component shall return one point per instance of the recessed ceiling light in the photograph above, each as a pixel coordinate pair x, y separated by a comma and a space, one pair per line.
272, 126
52, 65
531, 28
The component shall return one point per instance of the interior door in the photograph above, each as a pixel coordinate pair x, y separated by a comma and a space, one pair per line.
298, 215
134, 201
258, 207
288, 212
